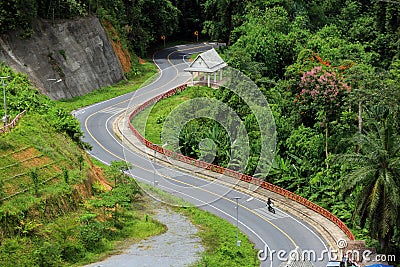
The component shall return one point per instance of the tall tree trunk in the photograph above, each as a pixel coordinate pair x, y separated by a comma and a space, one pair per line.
360, 121
385, 241
229, 26
326, 143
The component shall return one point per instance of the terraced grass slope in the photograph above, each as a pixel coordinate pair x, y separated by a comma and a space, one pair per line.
37, 163
23, 160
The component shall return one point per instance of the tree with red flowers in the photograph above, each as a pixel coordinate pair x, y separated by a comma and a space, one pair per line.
322, 94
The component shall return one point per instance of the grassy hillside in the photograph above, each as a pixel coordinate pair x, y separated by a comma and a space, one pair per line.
35, 147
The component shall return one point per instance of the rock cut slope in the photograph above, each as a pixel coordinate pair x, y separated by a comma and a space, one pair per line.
76, 51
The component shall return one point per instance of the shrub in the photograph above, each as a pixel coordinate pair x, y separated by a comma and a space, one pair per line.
91, 235
48, 255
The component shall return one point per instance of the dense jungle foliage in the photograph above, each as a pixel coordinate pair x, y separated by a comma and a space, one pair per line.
329, 69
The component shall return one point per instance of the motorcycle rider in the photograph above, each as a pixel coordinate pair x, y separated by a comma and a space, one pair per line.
269, 203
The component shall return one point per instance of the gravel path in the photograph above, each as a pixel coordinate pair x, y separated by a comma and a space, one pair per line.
178, 246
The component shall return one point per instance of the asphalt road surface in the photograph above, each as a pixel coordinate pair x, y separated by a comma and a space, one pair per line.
276, 232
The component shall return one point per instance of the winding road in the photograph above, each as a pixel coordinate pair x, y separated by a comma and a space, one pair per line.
279, 231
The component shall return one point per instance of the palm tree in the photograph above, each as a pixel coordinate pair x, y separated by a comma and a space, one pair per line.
376, 177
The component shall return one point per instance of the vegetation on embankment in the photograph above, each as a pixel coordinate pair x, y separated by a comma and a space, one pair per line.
219, 239
58, 208
70, 224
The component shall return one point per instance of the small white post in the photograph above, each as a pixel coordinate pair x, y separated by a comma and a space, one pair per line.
237, 221
5, 118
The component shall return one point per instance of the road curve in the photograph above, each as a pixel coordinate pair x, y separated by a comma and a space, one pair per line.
280, 231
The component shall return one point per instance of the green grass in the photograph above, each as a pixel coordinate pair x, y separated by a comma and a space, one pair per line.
46, 228
219, 238
62, 237
34, 144
193, 56
150, 121
147, 71
140, 225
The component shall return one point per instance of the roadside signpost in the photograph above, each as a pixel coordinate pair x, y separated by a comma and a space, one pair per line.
163, 38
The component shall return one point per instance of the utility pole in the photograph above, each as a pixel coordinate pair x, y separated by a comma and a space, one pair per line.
5, 119
154, 166
237, 221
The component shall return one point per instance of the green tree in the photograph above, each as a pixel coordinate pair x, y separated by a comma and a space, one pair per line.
329, 44
35, 180
117, 170
389, 92
363, 81
48, 254
322, 94
190, 18
221, 17
17, 14
143, 26
375, 176
263, 39
65, 9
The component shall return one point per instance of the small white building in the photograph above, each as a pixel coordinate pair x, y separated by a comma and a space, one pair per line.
208, 63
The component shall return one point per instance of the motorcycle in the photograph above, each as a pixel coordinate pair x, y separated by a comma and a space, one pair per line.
270, 206
271, 209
